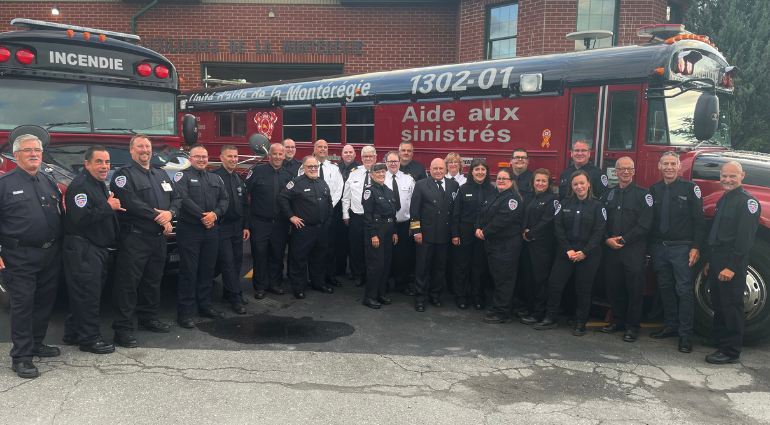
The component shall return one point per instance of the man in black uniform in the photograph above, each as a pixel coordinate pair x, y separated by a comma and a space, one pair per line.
204, 201
92, 227
307, 201
629, 218
522, 176
269, 227
289, 162
409, 167
678, 231
735, 224
341, 241
151, 202
580, 157
431, 217
233, 229
30, 229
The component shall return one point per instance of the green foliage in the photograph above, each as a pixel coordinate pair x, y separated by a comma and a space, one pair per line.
741, 31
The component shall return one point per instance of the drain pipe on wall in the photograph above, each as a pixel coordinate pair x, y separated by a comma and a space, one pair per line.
138, 14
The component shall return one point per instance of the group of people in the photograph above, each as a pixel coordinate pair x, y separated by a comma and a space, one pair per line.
373, 214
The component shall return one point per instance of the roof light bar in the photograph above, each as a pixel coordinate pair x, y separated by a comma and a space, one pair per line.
42, 25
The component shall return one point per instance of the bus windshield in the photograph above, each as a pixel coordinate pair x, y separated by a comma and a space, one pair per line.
114, 109
680, 110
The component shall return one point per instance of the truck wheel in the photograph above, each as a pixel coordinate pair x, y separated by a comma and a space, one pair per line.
755, 297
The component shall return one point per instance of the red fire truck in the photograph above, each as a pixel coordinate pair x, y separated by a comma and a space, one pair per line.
638, 101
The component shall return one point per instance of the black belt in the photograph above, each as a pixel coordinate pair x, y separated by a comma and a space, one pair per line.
578, 245
133, 229
270, 220
12, 243
87, 240
43, 245
225, 221
386, 220
671, 243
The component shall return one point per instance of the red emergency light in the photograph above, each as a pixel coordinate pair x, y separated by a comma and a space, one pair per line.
161, 71
24, 56
144, 69
5, 54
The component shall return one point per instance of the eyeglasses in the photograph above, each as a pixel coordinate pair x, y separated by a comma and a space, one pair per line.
502, 179
580, 150
520, 158
453, 162
368, 156
310, 167
30, 150
392, 162
290, 147
199, 157
378, 172
623, 170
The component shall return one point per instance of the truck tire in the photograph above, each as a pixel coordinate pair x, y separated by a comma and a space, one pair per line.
755, 297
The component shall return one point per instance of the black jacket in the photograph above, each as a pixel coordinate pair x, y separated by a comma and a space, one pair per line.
539, 215
21, 215
308, 199
686, 222
466, 207
237, 195
737, 230
599, 180
89, 215
500, 217
430, 214
379, 205
201, 192
592, 221
260, 186
635, 216
131, 184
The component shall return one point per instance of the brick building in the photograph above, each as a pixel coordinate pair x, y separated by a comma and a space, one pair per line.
268, 40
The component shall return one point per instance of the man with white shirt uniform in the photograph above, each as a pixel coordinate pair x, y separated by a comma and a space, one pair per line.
330, 173
454, 165
402, 186
353, 213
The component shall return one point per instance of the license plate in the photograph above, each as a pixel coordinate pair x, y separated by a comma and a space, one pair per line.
173, 257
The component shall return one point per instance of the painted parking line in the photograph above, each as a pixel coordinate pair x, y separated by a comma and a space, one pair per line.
644, 325
250, 273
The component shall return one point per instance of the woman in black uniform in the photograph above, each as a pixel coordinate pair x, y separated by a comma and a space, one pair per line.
579, 230
379, 237
538, 238
470, 260
499, 226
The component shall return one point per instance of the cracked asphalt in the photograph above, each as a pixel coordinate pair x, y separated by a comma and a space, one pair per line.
327, 359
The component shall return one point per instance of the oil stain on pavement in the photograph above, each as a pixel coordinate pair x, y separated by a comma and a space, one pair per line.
269, 329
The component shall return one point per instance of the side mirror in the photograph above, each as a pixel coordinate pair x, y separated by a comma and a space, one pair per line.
34, 130
259, 144
706, 117
190, 129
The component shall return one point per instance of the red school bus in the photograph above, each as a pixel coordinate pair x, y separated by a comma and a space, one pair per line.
637, 101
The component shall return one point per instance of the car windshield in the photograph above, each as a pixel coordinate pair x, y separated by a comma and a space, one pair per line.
105, 109
680, 111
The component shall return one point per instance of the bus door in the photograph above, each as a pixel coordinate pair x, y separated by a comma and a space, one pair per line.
585, 120
620, 128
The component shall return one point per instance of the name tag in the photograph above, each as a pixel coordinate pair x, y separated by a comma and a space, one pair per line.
194, 181
18, 192
468, 194
166, 186
307, 190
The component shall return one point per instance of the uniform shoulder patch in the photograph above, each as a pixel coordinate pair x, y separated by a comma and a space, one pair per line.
178, 176
605, 180
121, 181
697, 191
512, 204
604, 213
648, 198
248, 176
753, 206
81, 199
289, 185
367, 194
556, 206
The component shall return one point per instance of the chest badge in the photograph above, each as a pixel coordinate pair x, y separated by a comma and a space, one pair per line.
454, 195
648, 198
290, 185
605, 181
697, 192
121, 181
367, 194
512, 204
249, 175
556, 206
604, 213
81, 199
178, 176
753, 206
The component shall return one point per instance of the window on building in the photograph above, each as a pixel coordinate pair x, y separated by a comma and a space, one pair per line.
298, 124
674, 13
596, 15
359, 125
232, 124
502, 30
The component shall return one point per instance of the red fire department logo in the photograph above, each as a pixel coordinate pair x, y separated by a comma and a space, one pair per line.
265, 123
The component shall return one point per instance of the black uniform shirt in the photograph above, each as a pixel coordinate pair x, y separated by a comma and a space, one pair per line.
599, 180
379, 205
635, 214
31, 207
539, 215
500, 217
260, 185
523, 182
293, 165
414, 169
346, 169
737, 229
132, 186
308, 199
201, 191
593, 219
238, 207
89, 215
466, 207
685, 220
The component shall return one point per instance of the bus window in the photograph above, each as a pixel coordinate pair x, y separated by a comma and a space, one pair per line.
622, 121
225, 125
143, 111
657, 132
239, 124
328, 124
298, 124
359, 125
41, 102
584, 117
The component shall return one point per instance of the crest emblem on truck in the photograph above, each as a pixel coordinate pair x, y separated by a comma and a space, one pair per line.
265, 123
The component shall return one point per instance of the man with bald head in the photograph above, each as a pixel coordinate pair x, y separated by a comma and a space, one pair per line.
735, 224
431, 215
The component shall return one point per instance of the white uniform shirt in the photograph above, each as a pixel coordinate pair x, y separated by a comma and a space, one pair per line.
459, 178
354, 188
405, 189
332, 177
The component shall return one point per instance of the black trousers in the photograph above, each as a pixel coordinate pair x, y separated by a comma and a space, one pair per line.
537, 268
198, 248
429, 272
341, 243
309, 246
403, 255
470, 263
378, 262
230, 259
138, 271
31, 277
625, 271
727, 300
503, 256
268, 244
358, 264
85, 268
584, 273
331, 257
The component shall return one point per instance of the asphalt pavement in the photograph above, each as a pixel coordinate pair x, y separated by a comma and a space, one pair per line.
329, 360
